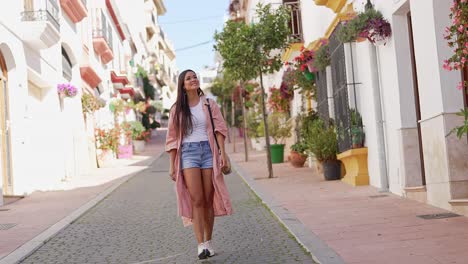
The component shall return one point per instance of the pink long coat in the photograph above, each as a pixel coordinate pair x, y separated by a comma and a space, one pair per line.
221, 201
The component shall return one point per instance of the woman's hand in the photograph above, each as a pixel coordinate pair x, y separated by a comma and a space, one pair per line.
172, 172
224, 161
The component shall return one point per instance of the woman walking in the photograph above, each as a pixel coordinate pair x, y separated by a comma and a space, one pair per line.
196, 161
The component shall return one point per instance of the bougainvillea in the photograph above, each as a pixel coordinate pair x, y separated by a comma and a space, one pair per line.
457, 37
67, 89
277, 102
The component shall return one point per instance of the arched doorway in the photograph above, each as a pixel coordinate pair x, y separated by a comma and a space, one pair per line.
5, 141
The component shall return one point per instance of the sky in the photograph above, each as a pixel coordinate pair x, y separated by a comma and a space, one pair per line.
189, 23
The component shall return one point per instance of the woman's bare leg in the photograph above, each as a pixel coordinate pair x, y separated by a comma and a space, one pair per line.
207, 179
193, 180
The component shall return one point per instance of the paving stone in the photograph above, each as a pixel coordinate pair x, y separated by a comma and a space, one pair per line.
138, 223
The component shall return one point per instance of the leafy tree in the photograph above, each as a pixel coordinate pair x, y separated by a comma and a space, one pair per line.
252, 50
222, 88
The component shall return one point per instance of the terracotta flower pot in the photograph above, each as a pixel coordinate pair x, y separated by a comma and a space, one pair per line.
297, 159
360, 39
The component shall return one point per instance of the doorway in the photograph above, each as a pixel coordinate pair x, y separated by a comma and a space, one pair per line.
416, 96
5, 137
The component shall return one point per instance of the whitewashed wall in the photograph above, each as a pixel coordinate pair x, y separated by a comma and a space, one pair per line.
48, 138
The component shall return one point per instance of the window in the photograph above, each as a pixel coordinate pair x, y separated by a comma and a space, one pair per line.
295, 23
66, 65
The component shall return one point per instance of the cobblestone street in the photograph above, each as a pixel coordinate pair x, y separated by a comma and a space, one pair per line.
138, 223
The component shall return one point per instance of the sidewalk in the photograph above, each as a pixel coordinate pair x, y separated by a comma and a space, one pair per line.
27, 223
339, 223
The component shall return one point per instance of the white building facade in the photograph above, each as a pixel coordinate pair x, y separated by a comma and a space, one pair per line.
46, 139
408, 102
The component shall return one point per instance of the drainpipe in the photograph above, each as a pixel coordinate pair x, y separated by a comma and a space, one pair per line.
381, 150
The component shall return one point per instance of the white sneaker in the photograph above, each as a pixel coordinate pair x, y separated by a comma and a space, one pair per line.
201, 251
209, 249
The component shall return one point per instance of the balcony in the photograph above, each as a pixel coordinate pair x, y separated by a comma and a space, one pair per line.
40, 27
102, 37
162, 78
75, 9
90, 76
151, 27
295, 22
107, 57
119, 81
127, 91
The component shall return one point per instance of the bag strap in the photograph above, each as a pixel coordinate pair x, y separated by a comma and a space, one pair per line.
212, 125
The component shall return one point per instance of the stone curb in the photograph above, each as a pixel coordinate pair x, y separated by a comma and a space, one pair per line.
31, 246
319, 250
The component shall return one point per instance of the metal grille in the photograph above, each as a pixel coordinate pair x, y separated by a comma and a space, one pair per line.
295, 23
378, 196
322, 96
340, 92
6, 226
438, 216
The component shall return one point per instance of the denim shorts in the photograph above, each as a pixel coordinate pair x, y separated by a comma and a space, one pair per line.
196, 155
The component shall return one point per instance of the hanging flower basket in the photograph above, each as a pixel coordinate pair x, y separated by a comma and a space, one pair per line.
378, 31
310, 66
66, 90
369, 25
309, 75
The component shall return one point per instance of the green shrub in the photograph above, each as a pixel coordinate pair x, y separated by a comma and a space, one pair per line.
321, 141
279, 127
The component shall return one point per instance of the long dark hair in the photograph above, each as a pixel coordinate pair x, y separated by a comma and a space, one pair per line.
183, 116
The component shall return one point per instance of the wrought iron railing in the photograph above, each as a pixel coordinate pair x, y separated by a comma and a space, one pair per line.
295, 23
46, 10
340, 92
322, 96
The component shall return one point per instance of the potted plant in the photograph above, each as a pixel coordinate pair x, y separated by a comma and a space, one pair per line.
66, 90
91, 104
298, 154
279, 128
255, 130
107, 142
321, 140
322, 58
139, 136
125, 150
369, 25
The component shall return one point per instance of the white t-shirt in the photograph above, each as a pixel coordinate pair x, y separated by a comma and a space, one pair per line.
198, 124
